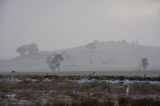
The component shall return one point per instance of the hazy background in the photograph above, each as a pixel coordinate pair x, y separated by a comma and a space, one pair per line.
58, 24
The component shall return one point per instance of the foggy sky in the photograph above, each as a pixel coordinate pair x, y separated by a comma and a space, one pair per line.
58, 24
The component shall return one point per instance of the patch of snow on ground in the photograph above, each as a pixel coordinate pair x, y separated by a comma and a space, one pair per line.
125, 82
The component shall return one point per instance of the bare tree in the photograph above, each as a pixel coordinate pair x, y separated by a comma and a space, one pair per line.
144, 63
54, 61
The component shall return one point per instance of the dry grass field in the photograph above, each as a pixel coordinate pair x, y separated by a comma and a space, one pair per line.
74, 89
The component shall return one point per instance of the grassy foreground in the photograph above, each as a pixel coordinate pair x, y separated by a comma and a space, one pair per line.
54, 90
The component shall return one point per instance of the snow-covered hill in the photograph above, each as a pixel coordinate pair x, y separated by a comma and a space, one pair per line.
96, 56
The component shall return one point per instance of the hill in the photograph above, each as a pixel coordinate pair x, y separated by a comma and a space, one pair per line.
95, 56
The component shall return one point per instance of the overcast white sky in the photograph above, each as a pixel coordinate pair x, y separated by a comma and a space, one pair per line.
58, 24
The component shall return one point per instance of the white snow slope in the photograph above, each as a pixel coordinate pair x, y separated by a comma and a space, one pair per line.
107, 56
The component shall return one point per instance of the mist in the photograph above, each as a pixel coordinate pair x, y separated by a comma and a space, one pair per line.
59, 24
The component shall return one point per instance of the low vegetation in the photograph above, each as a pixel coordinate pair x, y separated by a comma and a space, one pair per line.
79, 91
